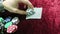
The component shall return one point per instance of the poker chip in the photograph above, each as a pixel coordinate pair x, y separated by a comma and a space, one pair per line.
30, 12
7, 19
8, 24
12, 28
1, 25
15, 20
1, 20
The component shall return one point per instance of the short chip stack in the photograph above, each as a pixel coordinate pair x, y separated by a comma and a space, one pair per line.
12, 28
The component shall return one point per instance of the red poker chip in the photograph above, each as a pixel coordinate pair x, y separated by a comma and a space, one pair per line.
12, 28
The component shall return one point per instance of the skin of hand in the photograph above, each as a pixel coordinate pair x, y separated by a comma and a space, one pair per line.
12, 6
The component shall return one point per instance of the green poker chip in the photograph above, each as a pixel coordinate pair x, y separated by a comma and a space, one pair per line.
30, 12
1, 19
8, 24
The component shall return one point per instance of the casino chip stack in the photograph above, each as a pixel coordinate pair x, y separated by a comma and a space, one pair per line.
1, 20
15, 20
8, 24
30, 12
12, 29
8, 19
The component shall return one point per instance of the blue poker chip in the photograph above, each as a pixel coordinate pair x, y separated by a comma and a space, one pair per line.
8, 19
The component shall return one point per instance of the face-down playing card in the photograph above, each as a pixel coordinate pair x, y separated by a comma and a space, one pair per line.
36, 15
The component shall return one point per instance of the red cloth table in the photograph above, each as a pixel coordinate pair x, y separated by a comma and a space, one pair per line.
50, 22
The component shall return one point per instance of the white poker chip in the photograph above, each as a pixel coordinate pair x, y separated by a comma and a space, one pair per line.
15, 20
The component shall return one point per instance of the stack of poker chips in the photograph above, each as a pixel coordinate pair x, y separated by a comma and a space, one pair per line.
9, 24
1, 25
30, 12
12, 28
12, 25
1, 20
15, 20
7, 19
1, 28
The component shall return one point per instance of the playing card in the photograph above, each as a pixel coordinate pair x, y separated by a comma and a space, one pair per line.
36, 15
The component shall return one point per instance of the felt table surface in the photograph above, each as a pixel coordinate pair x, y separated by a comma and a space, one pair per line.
48, 24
